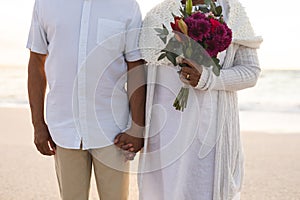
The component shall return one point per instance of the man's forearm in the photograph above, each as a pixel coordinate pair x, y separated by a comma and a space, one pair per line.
37, 87
136, 86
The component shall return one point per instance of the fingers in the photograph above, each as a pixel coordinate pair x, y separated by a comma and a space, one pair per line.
43, 140
44, 148
183, 78
128, 147
45, 145
129, 144
191, 63
190, 76
117, 138
122, 143
119, 141
52, 145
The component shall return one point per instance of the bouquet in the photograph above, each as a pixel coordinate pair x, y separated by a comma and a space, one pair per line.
198, 35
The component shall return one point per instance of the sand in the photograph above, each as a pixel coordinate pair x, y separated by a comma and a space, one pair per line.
272, 164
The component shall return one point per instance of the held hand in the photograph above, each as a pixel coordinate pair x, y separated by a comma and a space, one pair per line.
191, 73
129, 144
43, 140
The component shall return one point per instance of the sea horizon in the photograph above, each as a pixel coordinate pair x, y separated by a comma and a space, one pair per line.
265, 107
3, 66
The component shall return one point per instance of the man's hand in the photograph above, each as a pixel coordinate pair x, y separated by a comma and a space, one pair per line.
130, 143
43, 140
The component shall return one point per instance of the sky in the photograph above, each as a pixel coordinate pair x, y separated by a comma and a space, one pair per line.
276, 22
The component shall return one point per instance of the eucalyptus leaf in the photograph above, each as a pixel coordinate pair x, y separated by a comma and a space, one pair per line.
165, 30
162, 56
207, 2
216, 70
164, 39
218, 11
183, 13
172, 58
212, 4
162, 36
203, 9
189, 52
216, 61
159, 30
217, 66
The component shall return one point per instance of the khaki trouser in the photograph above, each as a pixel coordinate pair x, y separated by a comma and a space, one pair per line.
73, 169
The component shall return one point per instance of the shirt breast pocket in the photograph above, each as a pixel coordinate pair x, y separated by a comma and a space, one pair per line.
111, 34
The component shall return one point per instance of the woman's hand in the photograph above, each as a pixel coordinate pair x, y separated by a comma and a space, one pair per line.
191, 72
129, 144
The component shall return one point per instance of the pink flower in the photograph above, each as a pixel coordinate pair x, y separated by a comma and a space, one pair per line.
214, 24
198, 26
212, 48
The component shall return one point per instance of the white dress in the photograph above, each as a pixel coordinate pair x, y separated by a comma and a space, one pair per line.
184, 156
186, 176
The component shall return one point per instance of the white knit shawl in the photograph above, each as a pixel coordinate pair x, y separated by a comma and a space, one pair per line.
229, 156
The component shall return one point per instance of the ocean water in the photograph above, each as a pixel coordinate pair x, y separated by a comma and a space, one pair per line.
13, 87
272, 106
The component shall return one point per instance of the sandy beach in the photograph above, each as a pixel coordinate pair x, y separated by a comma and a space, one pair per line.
272, 164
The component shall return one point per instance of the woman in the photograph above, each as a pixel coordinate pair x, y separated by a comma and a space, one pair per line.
196, 154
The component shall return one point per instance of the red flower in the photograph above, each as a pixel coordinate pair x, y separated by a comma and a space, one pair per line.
214, 24
175, 25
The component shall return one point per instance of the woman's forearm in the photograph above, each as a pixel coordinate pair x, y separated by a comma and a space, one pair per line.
136, 87
243, 74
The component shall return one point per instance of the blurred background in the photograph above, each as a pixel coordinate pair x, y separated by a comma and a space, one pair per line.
276, 94
270, 112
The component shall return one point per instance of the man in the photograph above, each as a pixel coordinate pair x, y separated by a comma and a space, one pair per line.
83, 49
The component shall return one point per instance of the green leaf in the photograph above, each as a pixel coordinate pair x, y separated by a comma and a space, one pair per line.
216, 61
216, 70
164, 39
212, 4
203, 9
172, 58
217, 66
165, 30
162, 56
183, 13
207, 2
159, 30
189, 52
218, 11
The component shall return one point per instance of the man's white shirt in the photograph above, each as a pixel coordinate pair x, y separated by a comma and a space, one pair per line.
87, 42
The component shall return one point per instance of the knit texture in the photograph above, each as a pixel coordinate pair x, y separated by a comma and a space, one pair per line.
240, 70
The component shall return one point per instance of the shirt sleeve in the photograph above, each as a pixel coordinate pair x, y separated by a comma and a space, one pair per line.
132, 52
37, 39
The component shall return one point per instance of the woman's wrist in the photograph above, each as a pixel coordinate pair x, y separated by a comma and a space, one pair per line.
203, 79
